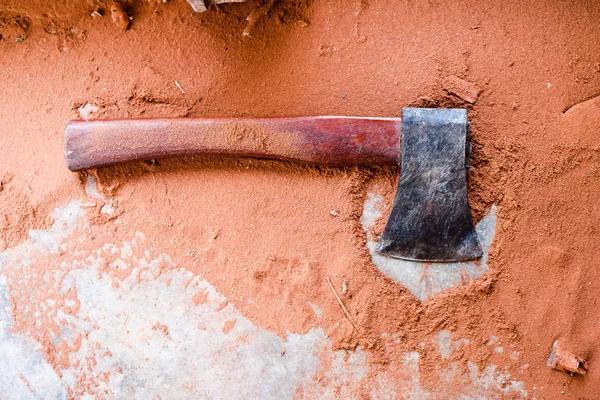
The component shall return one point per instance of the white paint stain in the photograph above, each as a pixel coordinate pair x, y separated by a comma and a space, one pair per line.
65, 218
318, 312
446, 346
24, 373
144, 336
91, 188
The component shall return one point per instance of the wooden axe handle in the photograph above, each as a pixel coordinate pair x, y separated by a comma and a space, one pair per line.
335, 141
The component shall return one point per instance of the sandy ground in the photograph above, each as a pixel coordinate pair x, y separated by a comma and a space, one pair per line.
95, 265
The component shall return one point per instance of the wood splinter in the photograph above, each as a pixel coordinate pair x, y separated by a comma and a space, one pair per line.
562, 360
341, 304
256, 15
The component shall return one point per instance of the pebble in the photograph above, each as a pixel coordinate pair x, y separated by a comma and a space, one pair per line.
119, 15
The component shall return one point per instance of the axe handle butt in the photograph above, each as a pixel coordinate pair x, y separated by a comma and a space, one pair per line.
335, 141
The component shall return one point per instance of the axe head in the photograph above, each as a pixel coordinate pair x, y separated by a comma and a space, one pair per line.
430, 219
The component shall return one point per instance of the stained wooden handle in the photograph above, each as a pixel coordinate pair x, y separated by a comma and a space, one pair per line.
335, 141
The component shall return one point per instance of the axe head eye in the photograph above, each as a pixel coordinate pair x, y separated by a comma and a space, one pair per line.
430, 219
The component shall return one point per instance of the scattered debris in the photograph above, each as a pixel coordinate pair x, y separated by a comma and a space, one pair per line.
87, 111
341, 304
344, 287
465, 90
227, 1
334, 213
20, 38
118, 13
51, 28
252, 19
562, 360
23, 22
179, 87
256, 15
228, 326
197, 5
200, 5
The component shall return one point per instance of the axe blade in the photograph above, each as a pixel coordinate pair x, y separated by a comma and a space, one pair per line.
430, 219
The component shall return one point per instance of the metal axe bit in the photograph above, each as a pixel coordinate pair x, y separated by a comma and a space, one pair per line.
430, 219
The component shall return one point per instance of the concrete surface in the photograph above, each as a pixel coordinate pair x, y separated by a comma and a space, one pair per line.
425, 279
170, 335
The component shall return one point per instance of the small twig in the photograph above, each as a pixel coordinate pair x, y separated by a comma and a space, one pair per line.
124, 323
431, 55
179, 87
341, 304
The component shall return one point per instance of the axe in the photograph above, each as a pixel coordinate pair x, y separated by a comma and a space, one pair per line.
430, 219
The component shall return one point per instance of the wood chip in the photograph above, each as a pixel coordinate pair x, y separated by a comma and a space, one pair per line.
562, 360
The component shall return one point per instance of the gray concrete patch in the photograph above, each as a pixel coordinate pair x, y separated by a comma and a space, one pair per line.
145, 336
427, 279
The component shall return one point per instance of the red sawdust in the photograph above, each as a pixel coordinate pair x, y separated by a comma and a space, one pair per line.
263, 230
